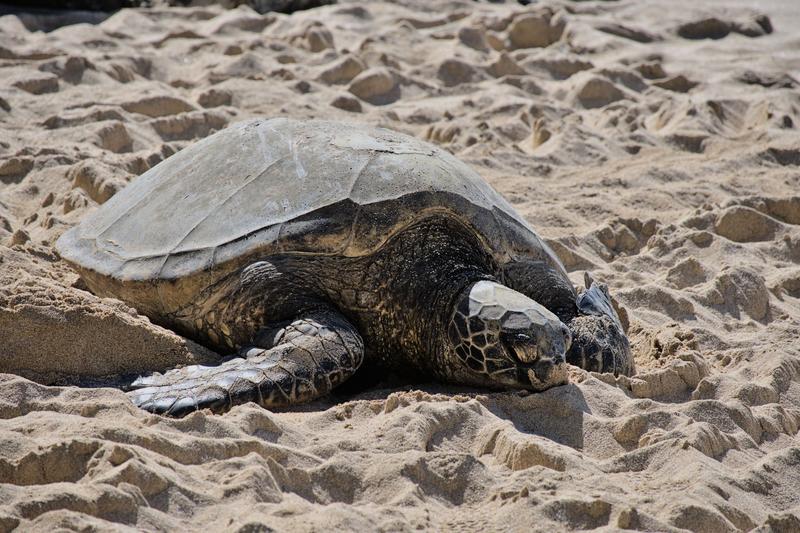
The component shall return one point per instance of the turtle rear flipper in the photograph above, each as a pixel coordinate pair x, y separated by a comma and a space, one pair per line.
307, 358
599, 343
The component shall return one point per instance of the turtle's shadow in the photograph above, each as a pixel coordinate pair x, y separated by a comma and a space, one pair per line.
556, 414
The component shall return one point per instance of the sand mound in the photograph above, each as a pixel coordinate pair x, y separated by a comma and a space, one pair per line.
656, 148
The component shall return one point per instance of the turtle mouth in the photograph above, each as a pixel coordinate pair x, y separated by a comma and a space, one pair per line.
533, 371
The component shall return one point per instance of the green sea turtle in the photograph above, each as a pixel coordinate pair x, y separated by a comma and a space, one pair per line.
308, 249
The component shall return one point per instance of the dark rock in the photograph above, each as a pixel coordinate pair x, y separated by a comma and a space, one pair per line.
262, 6
40, 15
755, 26
281, 6
87, 5
678, 84
347, 103
710, 28
778, 80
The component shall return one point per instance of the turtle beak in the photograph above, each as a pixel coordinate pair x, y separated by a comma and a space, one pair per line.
546, 374
540, 360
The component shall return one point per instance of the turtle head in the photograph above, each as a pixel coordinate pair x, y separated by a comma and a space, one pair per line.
502, 338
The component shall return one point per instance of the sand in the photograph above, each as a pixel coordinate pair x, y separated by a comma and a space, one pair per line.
653, 144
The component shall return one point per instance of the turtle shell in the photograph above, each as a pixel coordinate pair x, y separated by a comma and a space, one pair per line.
268, 186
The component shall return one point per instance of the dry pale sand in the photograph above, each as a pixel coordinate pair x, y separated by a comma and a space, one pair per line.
652, 143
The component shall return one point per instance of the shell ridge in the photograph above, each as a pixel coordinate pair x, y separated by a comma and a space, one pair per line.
264, 144
299, 170
361, 171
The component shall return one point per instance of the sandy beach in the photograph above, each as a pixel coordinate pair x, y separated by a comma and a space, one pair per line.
652, 144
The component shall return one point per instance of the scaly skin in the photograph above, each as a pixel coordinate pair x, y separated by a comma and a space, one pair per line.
391, 307
305, 360
399, 299
301, 324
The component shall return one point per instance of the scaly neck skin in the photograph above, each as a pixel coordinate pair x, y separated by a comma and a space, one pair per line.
423, 272
401, 298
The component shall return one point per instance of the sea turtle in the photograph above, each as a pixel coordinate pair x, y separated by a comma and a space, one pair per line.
308, 249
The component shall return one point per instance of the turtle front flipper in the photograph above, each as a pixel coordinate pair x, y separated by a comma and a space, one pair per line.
599, 343
301, 361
